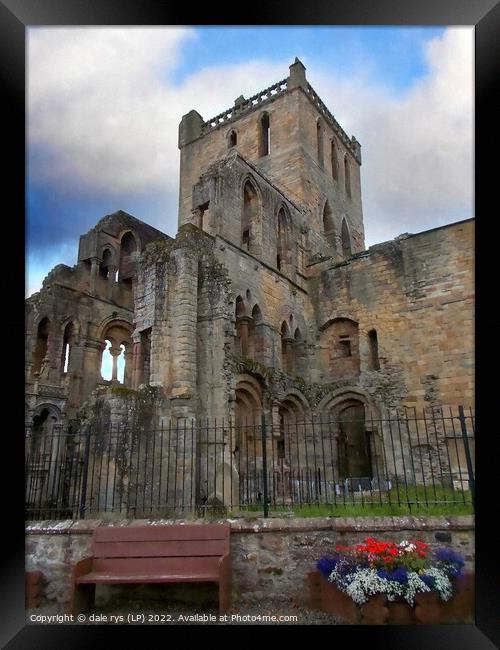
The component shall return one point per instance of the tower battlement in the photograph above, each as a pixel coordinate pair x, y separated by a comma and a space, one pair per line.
193, 126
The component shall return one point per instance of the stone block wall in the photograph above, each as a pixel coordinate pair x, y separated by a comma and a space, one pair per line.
417, 293
271, 558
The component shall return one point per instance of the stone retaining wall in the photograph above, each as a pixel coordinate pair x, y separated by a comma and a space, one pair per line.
271, 557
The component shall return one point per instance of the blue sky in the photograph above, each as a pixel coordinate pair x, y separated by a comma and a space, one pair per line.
104, 106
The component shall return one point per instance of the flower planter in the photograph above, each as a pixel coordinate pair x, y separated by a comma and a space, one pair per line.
428, 608
400, 613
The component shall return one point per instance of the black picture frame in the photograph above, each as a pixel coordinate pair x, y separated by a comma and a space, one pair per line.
15, 17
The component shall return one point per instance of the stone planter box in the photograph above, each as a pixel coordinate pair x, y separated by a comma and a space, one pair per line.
428, 608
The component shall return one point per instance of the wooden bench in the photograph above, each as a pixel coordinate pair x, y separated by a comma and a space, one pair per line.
154, 554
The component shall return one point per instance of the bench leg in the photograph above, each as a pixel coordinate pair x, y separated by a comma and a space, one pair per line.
82, 598
224, 595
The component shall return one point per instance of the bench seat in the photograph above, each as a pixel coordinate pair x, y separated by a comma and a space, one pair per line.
107, 578
176, 553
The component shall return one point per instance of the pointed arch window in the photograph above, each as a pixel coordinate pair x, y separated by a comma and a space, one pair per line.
41, 345
374, 362
319, 142
106, 264
329, 225
334, 161
347, 176
346, 240
68, 338
283, 253
128, 250
250, 213
264, 135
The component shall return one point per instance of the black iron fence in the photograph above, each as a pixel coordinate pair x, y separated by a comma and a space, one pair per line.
347, 465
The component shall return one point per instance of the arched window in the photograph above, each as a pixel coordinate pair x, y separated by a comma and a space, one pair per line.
328, 225
298, 353
347, 176
248, 409
128, 250
291, 442
346, 240
116, 346
256, 340
374, 363
241, 340
250, 214
107, 261
232, 139
286, 348
41, 345
68, 337
283, 253
256, 314
354, 449
340, 348
107, 362
240, 307
264, 135
319, 142
120, 365
334, 161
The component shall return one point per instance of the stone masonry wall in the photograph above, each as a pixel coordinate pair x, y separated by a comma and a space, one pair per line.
270, 557
417, 293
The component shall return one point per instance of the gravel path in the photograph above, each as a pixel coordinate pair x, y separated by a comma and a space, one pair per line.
136, 613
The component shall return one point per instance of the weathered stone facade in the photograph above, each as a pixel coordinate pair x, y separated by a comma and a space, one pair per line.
266, 300
270, 558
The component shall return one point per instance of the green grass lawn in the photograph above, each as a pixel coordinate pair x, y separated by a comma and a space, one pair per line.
410, 501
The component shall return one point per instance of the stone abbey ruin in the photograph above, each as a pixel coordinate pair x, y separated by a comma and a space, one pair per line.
266, 303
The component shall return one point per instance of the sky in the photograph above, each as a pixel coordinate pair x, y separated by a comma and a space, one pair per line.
104, 106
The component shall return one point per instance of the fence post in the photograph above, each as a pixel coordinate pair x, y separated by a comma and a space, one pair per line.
83, 494
264, 464
472, 485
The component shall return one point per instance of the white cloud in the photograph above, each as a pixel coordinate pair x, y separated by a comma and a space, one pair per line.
103, 101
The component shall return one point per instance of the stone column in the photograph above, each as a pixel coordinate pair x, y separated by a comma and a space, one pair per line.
91, 350
94, 273
115, 353
111, 280
136, 363
242, 323
288, 355
183, 319
127, 377
183, 312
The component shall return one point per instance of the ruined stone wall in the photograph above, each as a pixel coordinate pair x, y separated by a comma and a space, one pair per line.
95, 296
270, 558
417, 293
61, 305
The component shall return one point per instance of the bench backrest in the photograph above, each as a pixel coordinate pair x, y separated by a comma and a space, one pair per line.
202, 540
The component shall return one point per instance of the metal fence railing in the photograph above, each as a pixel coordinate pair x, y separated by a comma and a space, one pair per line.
405, 460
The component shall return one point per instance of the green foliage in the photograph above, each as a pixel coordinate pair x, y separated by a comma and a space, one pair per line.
124, 391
